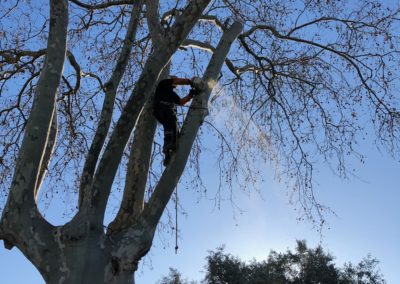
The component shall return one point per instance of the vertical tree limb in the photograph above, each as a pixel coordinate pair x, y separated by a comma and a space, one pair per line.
153, 21
137, 171
109, 100
140, 154
22, 224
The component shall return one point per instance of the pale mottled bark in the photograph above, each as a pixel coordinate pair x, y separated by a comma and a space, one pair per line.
21, 224
153, 21
109, 101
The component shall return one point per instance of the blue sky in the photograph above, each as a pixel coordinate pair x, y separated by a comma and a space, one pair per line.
367, 222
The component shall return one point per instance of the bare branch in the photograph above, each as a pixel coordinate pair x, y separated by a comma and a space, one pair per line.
13, 56
209, 48
78, 71
379, 101
214, 20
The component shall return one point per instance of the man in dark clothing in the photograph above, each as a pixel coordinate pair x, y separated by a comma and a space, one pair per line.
164, 109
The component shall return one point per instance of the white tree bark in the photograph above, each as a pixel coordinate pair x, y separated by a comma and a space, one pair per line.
22, 225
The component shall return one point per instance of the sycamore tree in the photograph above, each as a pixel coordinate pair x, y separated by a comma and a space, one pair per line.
297, 82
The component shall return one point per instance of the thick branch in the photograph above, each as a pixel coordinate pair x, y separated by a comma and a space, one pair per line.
152, 15
21, 223
137, 172
198, 44
214, 20
209, 48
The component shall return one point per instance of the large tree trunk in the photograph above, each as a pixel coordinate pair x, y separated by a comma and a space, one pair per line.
80, 262
92, 257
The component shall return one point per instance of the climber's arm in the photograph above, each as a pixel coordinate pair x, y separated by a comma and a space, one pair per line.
181, 81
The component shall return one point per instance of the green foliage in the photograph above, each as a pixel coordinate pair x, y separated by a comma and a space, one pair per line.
303, 266
365, 272
174, 277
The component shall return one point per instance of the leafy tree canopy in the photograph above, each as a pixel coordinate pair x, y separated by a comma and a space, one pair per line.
303, 265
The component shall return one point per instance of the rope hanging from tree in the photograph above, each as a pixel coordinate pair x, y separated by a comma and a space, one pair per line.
176, 220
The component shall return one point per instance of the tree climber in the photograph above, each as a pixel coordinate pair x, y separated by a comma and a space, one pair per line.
164, 110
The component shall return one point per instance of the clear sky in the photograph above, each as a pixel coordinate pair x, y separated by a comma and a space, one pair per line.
367, 222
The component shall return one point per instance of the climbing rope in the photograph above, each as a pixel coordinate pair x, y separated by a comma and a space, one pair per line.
176, 220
